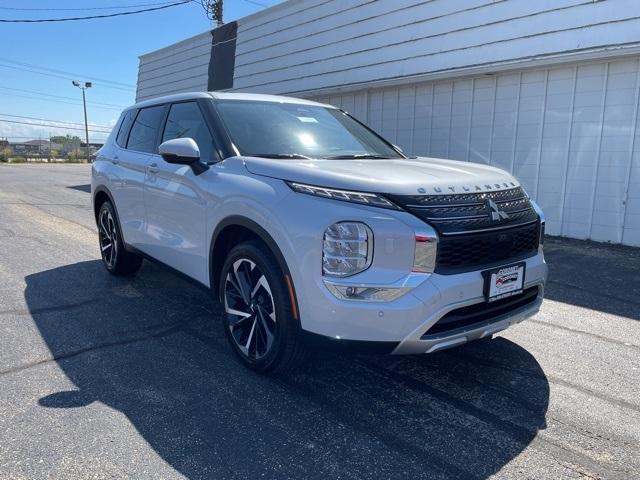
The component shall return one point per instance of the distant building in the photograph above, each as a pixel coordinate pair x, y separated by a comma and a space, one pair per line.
34, 147
42, 148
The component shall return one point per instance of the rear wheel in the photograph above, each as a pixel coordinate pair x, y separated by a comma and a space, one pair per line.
258, 319
114, 257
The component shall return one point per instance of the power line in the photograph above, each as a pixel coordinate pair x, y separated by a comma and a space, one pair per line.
64, 72
70, 78
112, 7
92, 17
63, 97
53, 100
257, 3
56, 121
50, 126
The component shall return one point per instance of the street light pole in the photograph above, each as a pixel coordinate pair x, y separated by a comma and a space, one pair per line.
86, 85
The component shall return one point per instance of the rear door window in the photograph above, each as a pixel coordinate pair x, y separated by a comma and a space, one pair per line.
185, 120
125, 126
144, 132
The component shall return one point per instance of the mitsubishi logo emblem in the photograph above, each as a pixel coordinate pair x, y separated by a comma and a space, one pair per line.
496, 213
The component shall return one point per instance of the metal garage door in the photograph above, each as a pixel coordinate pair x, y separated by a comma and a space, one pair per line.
568, 133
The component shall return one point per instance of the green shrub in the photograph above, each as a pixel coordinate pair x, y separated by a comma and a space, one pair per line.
5, 154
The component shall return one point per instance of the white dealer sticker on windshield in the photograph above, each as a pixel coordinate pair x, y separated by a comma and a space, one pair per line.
307, 120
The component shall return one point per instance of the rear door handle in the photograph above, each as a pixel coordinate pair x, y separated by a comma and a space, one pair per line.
153, 168
115, 160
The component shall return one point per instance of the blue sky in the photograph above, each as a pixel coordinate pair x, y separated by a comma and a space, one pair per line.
102, 48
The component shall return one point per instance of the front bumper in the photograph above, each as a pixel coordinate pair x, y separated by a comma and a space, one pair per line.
441, 341
407, 320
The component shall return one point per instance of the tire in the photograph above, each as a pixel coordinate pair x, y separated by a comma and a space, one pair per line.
258, 319
115, 258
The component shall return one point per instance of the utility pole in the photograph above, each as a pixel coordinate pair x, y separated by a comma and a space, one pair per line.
214, 11
86, 85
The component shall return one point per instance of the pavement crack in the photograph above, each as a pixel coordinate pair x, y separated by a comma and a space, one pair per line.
551, 378
174, 328
593, 292
582, 332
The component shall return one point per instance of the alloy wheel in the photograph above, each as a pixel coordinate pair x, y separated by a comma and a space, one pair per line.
108, 238
250, 309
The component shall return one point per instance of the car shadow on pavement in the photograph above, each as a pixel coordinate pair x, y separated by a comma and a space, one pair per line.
594, 275
152, 347
86, 187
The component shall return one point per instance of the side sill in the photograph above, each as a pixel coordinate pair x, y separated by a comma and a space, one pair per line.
160, 263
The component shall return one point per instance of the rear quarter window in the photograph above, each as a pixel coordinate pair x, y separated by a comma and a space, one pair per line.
125, 126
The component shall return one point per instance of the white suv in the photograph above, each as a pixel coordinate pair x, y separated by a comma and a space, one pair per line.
311, 228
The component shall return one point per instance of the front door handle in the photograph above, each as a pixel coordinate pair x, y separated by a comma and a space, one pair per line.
153, 168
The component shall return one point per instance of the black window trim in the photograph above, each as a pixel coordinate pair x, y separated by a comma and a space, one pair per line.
124, 115
155, 142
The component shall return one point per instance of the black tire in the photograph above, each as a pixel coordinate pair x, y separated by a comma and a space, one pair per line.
115, 258
263, 332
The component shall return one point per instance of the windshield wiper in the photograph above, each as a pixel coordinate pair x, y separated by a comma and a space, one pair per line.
279, 155
358, 156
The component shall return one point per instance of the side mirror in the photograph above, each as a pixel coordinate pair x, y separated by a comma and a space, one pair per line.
183, 151
180, 150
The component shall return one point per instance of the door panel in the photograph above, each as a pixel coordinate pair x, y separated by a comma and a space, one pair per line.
130, 165
128, 191
175, 212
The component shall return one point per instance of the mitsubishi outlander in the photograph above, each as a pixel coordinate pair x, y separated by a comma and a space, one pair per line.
310, 228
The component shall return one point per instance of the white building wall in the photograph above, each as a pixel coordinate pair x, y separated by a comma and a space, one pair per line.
568, 133
181, 67
306, 45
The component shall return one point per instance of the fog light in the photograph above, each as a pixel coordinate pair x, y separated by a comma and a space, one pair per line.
365, 293
347, 249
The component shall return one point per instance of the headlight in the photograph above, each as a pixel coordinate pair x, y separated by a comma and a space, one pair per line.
347, 249
363, 198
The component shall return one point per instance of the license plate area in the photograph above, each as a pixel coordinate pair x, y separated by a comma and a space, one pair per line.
504, 282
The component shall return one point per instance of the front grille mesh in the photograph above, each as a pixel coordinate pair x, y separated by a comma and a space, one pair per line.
467, 252
471, 232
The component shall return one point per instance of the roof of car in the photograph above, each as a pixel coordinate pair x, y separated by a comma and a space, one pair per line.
179, 97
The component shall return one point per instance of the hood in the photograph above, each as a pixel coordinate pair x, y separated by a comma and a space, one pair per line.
406, 176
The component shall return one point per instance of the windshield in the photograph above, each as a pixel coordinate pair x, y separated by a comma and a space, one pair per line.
288, 130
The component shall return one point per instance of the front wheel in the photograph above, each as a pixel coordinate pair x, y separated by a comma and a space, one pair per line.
258, 318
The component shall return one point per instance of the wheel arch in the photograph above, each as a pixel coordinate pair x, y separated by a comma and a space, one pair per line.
233, 230
100, 195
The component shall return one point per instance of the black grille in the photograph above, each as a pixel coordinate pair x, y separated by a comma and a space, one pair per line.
477, 229
461, 213
462, 253
481, 312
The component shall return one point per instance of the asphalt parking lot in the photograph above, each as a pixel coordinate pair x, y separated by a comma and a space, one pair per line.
102, 377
